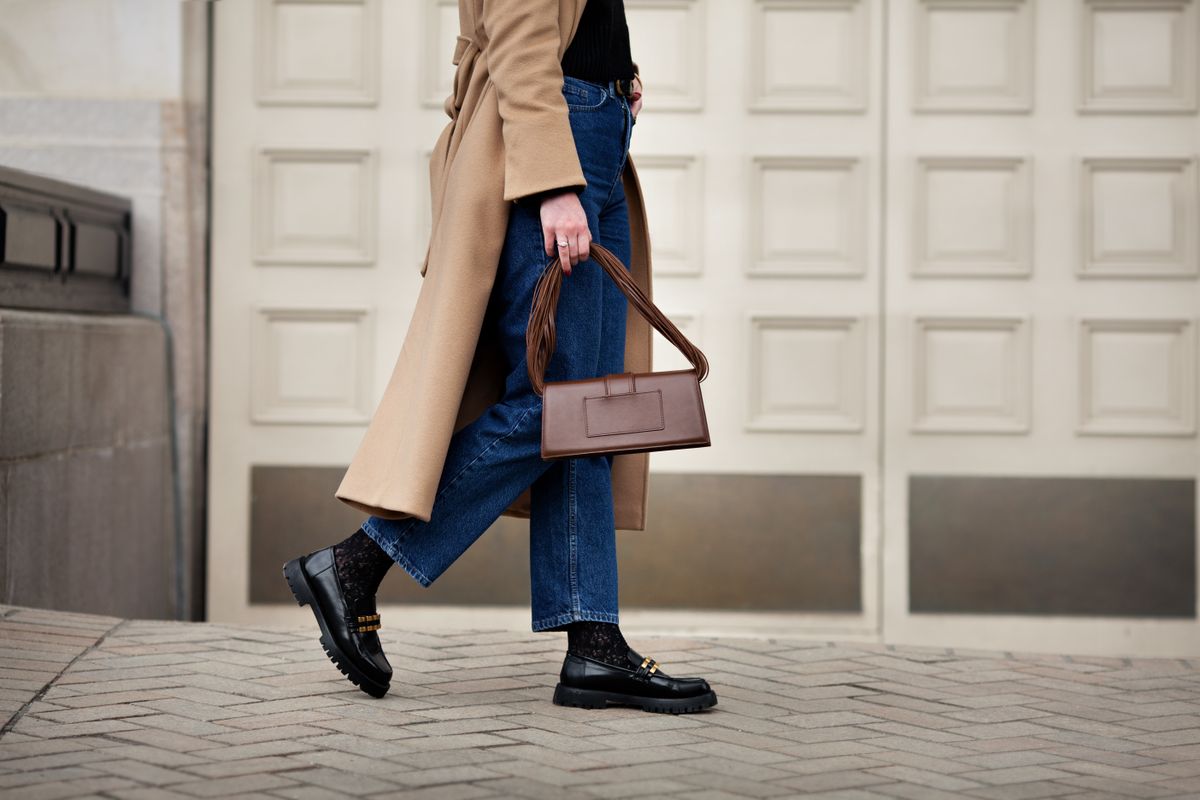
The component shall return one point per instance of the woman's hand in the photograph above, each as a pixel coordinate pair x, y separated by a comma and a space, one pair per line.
564, 223
565, 228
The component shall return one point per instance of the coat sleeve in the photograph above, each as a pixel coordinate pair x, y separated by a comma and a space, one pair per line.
537, 197
523, 64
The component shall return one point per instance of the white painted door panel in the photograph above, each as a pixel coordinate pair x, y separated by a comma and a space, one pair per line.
912, 237
1041, 294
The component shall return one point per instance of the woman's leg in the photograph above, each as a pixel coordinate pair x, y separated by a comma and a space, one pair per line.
497, 456
489, 463
572, 534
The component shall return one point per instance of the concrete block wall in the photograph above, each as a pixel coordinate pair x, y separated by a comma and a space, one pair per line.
112, 95
86, 484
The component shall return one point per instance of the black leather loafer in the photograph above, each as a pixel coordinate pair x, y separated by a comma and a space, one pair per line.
588, 683
347, 634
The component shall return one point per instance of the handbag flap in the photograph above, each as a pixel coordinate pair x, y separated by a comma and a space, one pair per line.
631, 412
587, 416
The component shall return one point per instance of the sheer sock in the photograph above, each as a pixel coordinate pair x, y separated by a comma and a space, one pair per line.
361, 565
599, 640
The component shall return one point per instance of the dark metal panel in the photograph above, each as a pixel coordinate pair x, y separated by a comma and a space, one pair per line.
62, 246
30, 237
746, 542
1052, 545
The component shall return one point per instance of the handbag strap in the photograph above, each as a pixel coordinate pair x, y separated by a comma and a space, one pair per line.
540, 331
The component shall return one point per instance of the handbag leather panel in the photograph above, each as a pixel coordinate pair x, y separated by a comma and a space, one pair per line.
566, 424
633, 412
621, 412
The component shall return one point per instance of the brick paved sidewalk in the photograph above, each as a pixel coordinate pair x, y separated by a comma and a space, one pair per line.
103, 707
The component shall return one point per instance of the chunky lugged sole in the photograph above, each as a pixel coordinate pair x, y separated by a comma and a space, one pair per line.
594, 698
301, 590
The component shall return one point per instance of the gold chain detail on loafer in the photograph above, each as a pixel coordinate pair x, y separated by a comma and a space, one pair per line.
648, 661
369, 618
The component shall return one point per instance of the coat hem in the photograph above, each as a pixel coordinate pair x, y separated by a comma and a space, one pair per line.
383, 512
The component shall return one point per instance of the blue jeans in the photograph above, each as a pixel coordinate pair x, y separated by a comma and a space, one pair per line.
572, 535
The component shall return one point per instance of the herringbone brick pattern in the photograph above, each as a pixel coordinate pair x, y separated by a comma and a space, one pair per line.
101, 707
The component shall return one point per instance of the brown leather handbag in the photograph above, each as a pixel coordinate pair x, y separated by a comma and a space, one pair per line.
621, 412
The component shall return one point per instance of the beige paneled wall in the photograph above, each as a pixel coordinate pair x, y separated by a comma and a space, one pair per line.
913, 237
1041, 301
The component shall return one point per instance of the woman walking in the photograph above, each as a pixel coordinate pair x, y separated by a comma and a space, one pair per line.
496, 457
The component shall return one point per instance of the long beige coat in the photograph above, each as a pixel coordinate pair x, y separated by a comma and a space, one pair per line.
509, 135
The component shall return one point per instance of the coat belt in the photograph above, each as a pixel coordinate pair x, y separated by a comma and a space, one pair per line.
460, 46
465, 50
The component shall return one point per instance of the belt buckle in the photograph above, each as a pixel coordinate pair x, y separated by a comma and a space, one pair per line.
624, 86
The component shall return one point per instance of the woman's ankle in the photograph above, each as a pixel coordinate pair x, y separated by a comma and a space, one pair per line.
361, 565
602, 641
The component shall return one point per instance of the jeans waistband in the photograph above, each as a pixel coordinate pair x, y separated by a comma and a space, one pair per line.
615, 88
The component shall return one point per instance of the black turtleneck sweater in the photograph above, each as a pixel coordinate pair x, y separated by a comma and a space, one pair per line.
599, 52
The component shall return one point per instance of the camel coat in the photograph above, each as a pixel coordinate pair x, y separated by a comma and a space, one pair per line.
509, 135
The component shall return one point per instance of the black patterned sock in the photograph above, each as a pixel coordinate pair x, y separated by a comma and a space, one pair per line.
361, 565
599, 640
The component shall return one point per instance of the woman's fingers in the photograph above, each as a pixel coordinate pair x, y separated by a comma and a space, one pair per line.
565, 229
573, 248
581, 245
564, 254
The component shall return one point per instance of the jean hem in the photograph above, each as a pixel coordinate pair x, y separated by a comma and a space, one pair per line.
548, 623
395, 554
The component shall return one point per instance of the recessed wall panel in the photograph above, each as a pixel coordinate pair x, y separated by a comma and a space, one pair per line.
1137, 377
318, 52
673, 189
809, 55
1138, 56
973, 217
312, 365
1139, 217
808, 216
806, 373
667, 38
971, 375
315, 206
973, 56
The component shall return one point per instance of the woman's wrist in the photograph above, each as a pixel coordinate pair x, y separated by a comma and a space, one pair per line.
542, 196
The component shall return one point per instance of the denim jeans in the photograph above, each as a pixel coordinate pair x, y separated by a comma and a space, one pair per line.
572, 536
